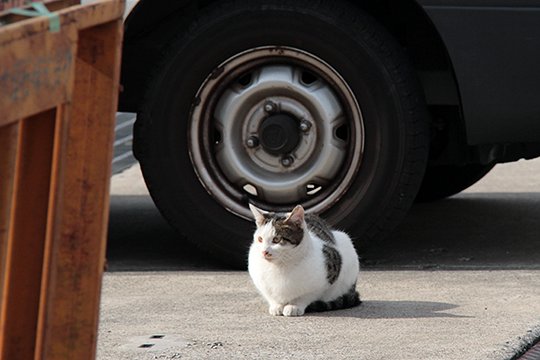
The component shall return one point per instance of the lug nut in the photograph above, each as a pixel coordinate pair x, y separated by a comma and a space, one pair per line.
252, 142
305, 126
270, 106
287, 161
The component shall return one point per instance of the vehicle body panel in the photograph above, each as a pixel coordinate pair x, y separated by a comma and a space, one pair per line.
495, 51
493, 46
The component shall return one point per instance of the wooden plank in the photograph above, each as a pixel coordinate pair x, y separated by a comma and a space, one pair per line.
24, 255
9, 139
80, 16
37, 64
52, 5
54, 214
53, 218
35, 75
7, 4
71, 307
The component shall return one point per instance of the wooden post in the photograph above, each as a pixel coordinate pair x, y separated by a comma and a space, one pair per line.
56, 136
28, 229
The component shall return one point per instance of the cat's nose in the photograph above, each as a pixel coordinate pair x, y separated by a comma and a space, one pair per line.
266, 254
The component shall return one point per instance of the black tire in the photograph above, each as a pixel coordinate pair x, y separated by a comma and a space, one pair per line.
383, 185
443, 181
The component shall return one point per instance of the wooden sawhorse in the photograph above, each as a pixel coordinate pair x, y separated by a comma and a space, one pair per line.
59, 81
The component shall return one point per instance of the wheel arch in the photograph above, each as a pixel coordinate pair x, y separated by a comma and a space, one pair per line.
153, 23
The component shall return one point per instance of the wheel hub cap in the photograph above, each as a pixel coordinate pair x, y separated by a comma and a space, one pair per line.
275, 126
279, 134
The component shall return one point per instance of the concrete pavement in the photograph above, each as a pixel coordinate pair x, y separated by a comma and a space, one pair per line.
405, 315
459, 279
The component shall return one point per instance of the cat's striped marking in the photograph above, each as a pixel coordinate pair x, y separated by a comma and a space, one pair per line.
319, 228
332, 260
287, 232
348, 300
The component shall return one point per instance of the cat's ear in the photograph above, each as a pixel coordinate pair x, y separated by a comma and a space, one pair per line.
296, 216
258, 214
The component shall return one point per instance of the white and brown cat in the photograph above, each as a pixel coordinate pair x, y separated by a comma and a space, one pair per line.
299, 264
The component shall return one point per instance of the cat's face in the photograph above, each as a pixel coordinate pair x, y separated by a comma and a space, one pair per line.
277, 236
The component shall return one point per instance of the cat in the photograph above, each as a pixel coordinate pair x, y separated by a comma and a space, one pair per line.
298, 264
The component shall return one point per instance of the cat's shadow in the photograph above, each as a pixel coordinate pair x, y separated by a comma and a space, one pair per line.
383, 309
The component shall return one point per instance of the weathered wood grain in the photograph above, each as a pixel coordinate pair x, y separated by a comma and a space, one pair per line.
70, 316
59, 97
28, 227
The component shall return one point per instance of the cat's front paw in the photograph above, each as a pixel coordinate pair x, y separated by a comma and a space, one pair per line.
293, 310
276, 310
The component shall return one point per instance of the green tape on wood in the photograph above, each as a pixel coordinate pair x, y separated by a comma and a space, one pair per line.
40, 10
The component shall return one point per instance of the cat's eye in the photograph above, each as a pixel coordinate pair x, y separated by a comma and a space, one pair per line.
276, 240
259, 239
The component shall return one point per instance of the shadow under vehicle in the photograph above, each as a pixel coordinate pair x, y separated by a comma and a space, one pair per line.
354, 109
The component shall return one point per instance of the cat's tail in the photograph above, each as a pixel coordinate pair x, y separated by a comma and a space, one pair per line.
348, 300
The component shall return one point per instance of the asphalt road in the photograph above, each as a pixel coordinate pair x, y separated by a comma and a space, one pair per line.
459, 279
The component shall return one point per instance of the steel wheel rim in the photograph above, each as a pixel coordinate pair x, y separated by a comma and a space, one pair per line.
268, 90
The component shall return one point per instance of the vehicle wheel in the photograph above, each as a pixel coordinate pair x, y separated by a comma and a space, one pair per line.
280, 103
443, 181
